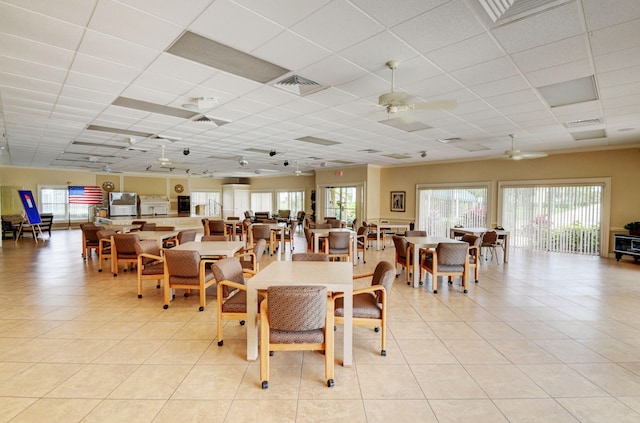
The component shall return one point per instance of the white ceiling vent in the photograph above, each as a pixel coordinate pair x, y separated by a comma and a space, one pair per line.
299, 85
504, 11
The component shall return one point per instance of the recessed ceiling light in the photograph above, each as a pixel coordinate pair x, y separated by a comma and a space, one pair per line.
570, 92
402, 124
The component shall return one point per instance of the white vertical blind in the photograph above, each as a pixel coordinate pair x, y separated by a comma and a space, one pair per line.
262, 202
440, 209
562, 219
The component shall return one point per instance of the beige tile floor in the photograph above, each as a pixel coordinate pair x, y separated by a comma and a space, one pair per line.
544, 338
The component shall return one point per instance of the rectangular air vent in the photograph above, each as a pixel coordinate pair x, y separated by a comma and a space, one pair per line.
316, 140
589, 135
504, 11
582, 122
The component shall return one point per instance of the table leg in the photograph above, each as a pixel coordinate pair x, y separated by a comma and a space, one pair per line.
416, 266
505, 247
252, 324
315, 243
378, 238
347, 347
354, 254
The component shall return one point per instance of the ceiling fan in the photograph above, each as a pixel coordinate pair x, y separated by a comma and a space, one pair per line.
162, 159
521, 155
396, 102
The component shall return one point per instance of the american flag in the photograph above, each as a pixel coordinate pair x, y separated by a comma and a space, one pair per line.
85, 195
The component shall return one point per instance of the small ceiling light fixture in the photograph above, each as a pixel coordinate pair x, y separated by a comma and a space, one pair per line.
132, 140
243, 162
272, 153
201, 103
286, 162
423, 154
186, 151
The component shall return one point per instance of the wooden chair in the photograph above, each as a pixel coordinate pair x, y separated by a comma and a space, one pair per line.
231, 292
150, 263
258, 231
123, 250
206, 238
105, 243
415, 233
182, 237
490, 241
186, 270
89, 238
474, 253
339, 245
403, 256
310, 257
250, 258
295, 318
448, 259
362, 242
370, 303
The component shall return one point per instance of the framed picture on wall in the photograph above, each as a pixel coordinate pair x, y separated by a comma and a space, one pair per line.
397, 201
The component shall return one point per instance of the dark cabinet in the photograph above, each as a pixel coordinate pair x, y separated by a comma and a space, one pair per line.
184, 204
628, 245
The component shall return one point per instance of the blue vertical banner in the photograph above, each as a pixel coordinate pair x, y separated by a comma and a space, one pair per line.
30, 207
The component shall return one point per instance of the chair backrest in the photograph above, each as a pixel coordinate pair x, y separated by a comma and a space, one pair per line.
401, 244
91, 234
415, 233
148, 227
105, 233
146, 247
233, 218
216, 227
261, 245
339, 242
309, 236
284, 214
206, 238
489, 238
260, 232
182, 264
362, 230
384, 274
187, 235
297, 308
300, 215
452, 254
228, 269
125, 243
309, 257
472, 239
323, 226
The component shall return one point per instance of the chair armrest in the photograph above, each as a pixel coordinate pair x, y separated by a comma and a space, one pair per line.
151, 256
232, 285
248, 273
362, 275
371, 289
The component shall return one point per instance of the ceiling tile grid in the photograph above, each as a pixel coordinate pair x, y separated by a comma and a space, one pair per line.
64, 63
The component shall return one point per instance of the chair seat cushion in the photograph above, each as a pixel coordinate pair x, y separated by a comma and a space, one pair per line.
444, 267
153, 269
237, 303
365, 306
314, 336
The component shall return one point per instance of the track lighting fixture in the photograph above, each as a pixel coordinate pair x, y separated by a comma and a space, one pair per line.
286, 162
186, 151
272, 153
423, 154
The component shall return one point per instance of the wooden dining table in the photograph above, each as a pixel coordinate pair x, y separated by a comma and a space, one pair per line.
158, 236
419, 242
210, 249
336, 276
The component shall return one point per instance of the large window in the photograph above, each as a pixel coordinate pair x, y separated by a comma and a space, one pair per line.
340, 202
564, 219
292, 200
262, 201
441, 208
209, 200
53, 199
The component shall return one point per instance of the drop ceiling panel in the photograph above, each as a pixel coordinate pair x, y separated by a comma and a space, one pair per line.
616, 38
543, 28
37, 27
279, 50
175, 12
116, 50
600, 14
234, 26
561, 73
284, 12
618, 60
492, 70
337, 26
372, 53
133, 25
442, 26
34, 51
104, 69
466, 53
554, 54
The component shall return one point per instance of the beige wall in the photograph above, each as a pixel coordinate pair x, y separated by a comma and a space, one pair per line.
622, 166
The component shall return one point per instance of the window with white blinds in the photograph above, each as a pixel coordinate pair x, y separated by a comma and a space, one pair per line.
209, 199
442, 208
262, 202
564, 219
290, 200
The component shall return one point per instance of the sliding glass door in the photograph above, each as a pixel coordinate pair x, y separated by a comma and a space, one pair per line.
564, 219
341, 202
